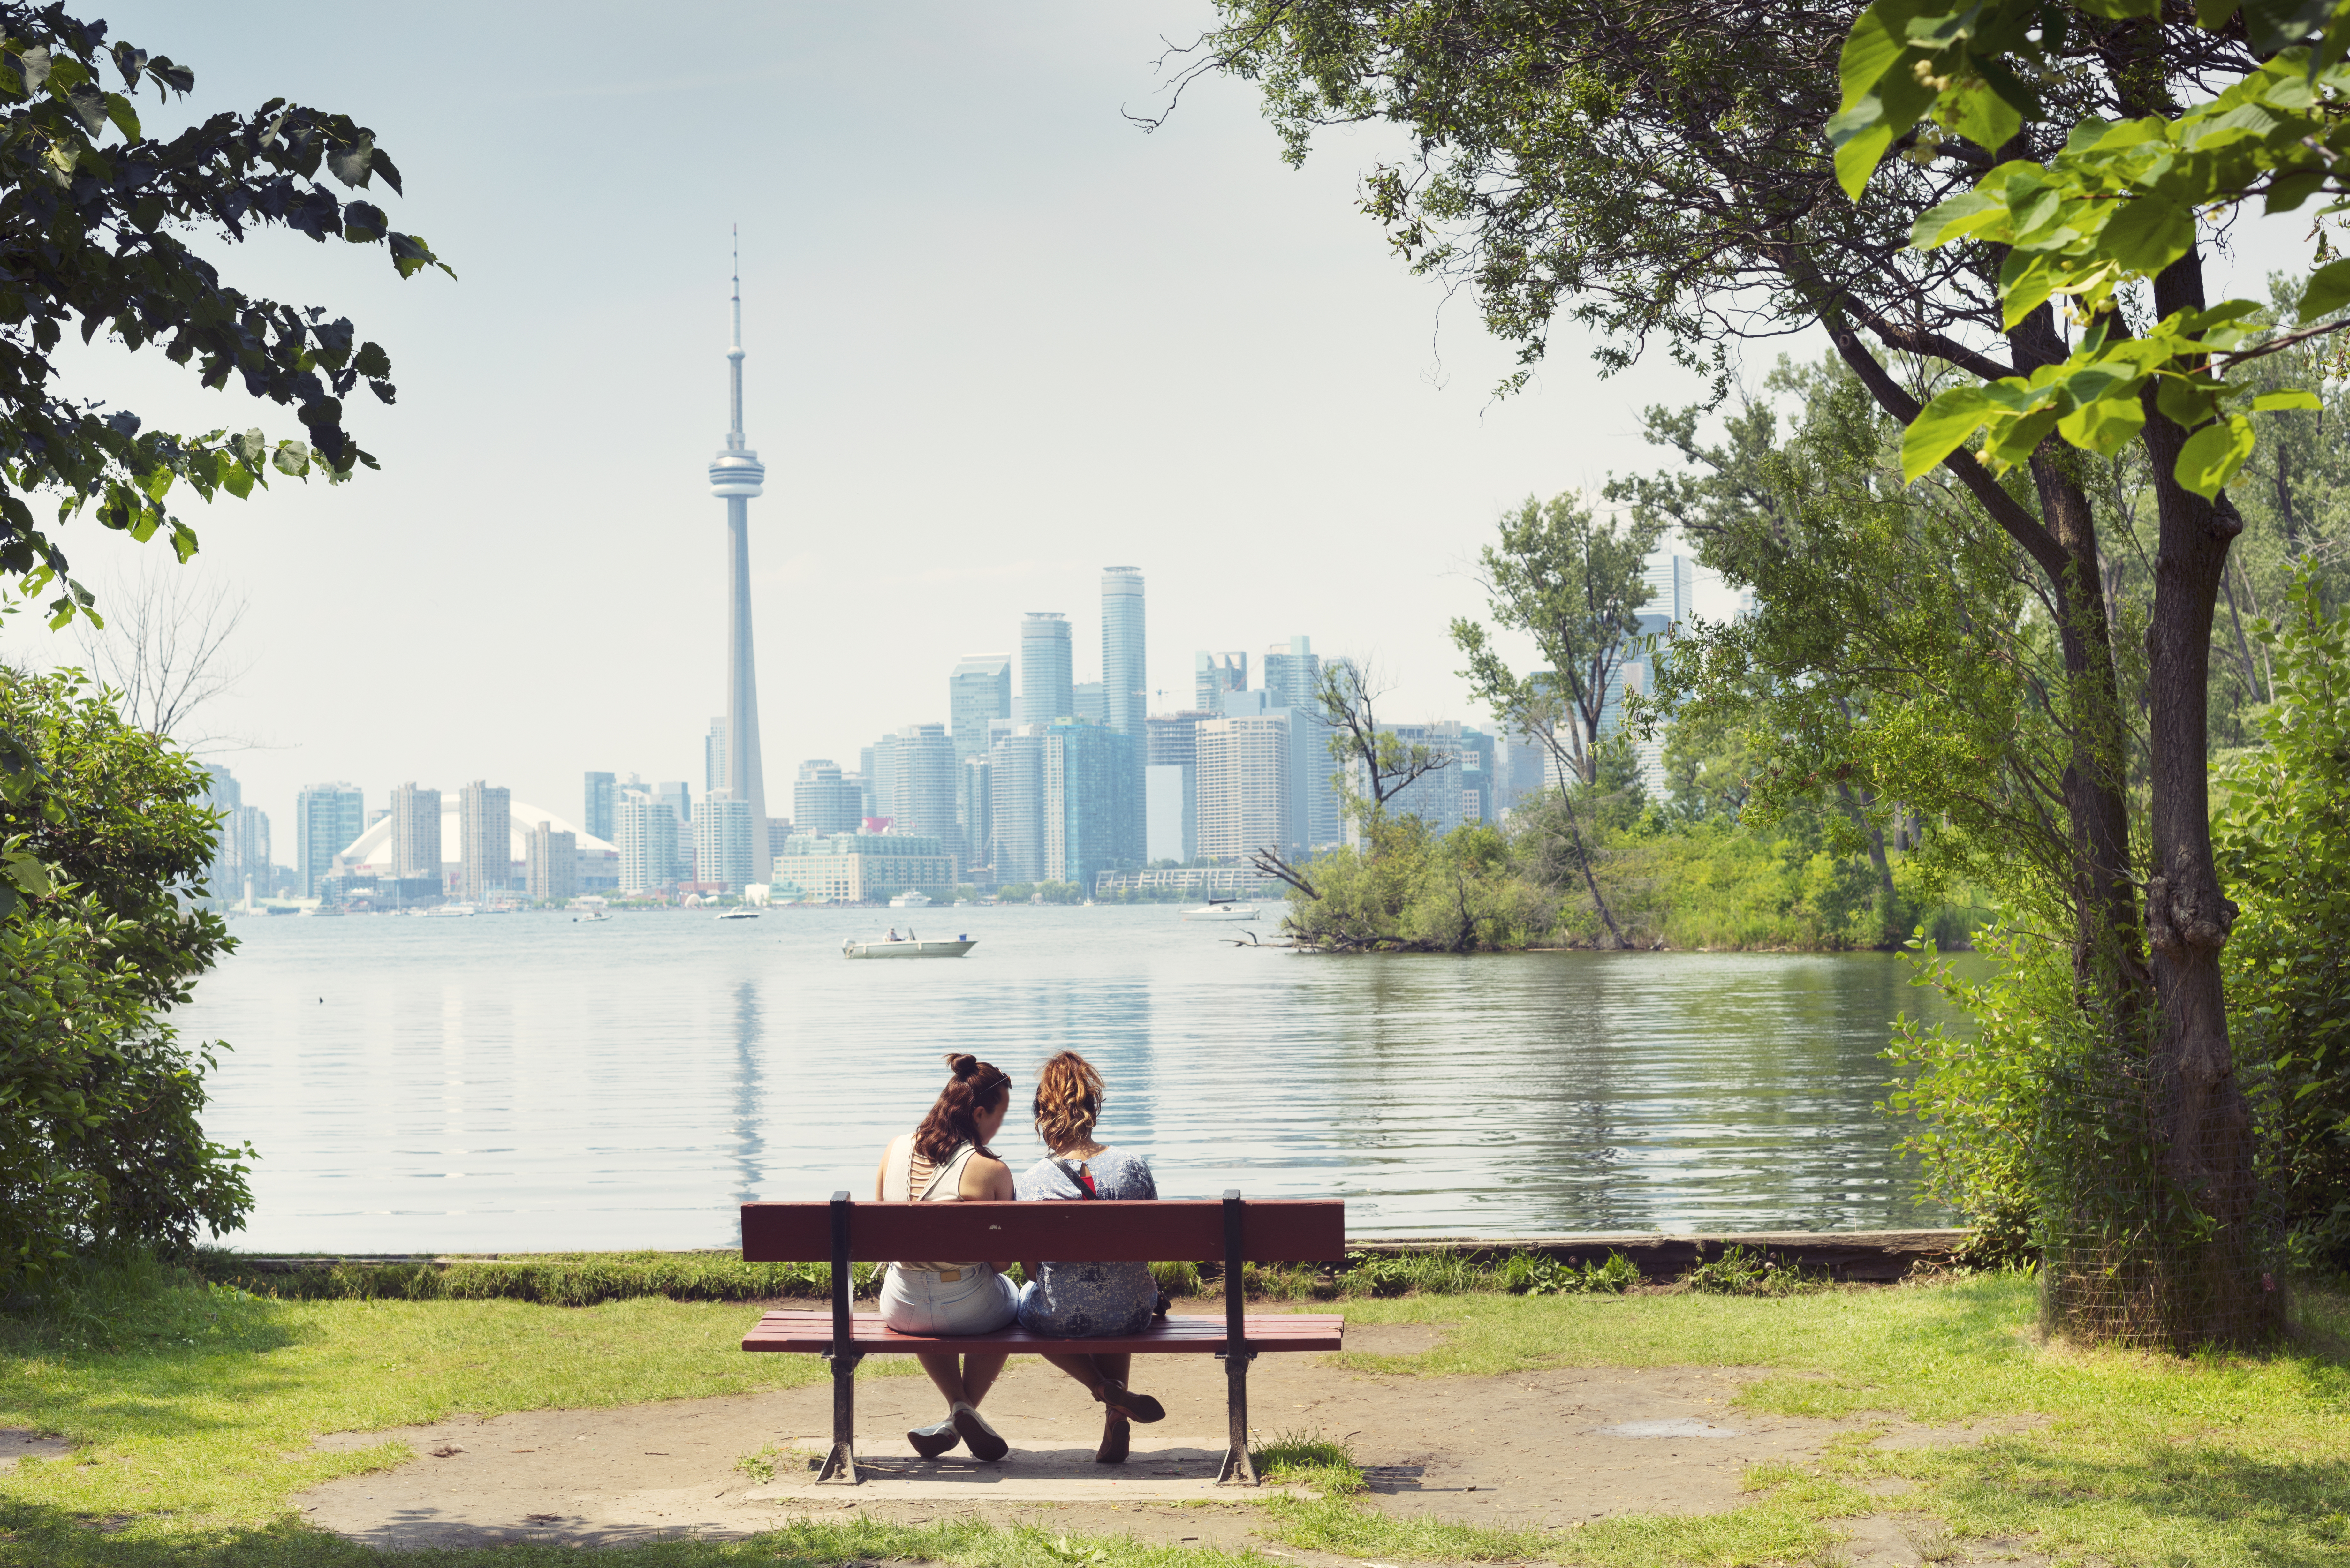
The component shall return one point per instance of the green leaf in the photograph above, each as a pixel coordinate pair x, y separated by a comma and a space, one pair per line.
2212, 455
125, 117
234, 476
1964, 214
1943, 426
2106, 424
2290, 399
2186, 401
36, 67
1877, 42
2328, 291
2149, 234
88, 105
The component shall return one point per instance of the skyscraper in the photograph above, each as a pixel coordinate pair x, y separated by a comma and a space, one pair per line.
416, 832
679, 797
1126, 684
1015, 768
1089, 803
601, 794
485, 822
326, 818
713, 756
1212, 675
979, 690
1046, 686
1244, 785
1170, 809
974, 808
824, 801
1293, 674
1085, 702
722, 842
552, 865
737, 476
647, 839
923, 774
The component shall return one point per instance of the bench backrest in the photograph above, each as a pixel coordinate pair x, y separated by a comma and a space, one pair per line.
1288, 1230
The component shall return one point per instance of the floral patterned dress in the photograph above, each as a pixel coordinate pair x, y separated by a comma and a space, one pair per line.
1080, 1301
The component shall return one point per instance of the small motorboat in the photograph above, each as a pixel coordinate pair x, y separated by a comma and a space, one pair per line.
911, 898
590, 915
450, 912
894, 945
740, 915
1220, 909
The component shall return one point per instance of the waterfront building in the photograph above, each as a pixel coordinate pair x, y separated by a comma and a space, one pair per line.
675, 795
924, 765
825, 800
1171, 786
1089, 802
1046, 683
713, 756
551, 867
1293, 674
1672, 581
1085, 702
865, 783
979, 693
242, 868
648, 843
486, 850
374, 854
1214, 674
326, 816
416, 831
881, 773
1126, 681
854, 867
974, 805
1244, 790
1197, 881
601, 794
1456, 792
1015, 771
723, 841
737, 477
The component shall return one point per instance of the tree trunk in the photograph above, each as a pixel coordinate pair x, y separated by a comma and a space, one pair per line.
1856, 807
2106, 957
2202, 1126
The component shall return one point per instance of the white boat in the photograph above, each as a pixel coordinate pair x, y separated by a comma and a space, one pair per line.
590, 915
908, 946
911, 898
450, 912
1220, 909
740, 915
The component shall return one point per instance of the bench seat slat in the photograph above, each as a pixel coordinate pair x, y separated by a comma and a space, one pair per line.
811, 1331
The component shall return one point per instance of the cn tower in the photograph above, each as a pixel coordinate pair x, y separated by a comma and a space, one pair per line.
735, 476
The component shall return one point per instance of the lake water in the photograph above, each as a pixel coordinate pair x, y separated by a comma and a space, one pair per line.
529, 1082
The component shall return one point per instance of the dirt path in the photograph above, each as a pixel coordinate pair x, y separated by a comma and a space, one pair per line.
1548, 1450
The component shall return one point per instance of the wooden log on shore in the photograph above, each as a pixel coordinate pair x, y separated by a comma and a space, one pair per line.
1877, 1255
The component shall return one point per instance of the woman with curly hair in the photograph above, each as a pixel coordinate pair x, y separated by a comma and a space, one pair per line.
1081, 1300
944, 1159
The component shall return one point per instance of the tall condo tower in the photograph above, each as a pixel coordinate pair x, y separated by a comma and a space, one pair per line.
736, 476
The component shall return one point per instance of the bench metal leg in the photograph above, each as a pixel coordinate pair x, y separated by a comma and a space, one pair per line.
840, 1465
1238, 1469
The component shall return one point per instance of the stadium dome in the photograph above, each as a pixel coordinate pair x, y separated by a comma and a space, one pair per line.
371, 850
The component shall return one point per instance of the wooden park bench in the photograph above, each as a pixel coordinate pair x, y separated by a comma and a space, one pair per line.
1074, 1230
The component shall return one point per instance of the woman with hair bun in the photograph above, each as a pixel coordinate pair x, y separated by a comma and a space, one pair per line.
944, 1159
1081, 1300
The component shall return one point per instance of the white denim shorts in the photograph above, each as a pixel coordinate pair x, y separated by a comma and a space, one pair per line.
919, 1301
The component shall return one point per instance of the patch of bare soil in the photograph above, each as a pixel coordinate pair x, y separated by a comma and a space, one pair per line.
1550, 1449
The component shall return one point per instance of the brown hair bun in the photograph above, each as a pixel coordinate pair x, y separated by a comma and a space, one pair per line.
977, 1086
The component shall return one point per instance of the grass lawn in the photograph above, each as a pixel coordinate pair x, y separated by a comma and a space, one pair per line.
191, 1409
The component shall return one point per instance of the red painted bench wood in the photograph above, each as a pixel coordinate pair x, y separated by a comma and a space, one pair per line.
809, 1331
1284, 1230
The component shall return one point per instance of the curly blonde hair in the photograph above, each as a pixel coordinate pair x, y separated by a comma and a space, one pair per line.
1068, 1101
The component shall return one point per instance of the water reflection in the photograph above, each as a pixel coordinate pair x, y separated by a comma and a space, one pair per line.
528, 1082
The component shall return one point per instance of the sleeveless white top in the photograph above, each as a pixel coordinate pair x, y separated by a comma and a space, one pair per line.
944, 1185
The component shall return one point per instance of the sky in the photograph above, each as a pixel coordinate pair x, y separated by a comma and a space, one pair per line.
999, 338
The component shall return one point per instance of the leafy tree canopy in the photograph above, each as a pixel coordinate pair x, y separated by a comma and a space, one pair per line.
96, 219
